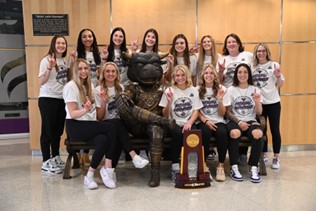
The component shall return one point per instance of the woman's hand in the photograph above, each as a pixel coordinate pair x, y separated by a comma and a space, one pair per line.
51, 62
277, 71
186, 126
221, 66
256, 96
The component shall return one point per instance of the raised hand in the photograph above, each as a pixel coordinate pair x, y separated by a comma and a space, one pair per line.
103, 95
51, 61
88, 105
221, 66
170, 59
220, 93
134, 45
277, 71
256, 96
105, 53
169, 95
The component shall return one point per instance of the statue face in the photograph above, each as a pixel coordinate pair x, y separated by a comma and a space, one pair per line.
145, 68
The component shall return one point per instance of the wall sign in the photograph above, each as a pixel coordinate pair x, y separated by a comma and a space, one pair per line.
50, 24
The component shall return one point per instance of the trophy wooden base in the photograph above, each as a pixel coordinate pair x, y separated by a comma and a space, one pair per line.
183, 181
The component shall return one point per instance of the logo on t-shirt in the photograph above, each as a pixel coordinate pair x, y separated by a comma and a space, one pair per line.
260, 77
111, 106
231, 69
61, 76
183, 107
243, 105
210, 105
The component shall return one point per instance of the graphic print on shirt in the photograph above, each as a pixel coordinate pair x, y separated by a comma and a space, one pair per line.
210, 105
183, 107
231, 69
243, 105
260, 77
61, 76
111, 106
119, 62
93, 68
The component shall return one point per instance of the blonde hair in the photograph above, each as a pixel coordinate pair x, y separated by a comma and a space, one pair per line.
255, 58
84, 86
102, 80
187, 73
202, 85
201, 58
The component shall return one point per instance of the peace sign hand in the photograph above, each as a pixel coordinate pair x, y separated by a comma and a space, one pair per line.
51, 61
134, 45
256, 96
221, 66
277, 71
103, 95
88, 105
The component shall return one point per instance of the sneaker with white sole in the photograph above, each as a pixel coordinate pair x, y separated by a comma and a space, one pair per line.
59, 162
139, 162
90, 183
254, 175
211, 155
106, 175
275, 163
266, 160
220, 174
175, 169
235, 174
49, 166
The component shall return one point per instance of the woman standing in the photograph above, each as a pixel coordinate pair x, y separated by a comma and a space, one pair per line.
52, 78
243, 103
81, 124
180, 102
211, 116
267, 76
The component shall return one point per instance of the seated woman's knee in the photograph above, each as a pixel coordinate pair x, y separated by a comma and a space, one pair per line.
235, 133
257, 133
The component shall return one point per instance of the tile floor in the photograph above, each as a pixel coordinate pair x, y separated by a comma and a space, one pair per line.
24, 187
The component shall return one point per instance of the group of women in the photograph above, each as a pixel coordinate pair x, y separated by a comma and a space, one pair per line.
221, 95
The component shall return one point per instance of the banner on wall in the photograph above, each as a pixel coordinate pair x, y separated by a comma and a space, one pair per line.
13, 86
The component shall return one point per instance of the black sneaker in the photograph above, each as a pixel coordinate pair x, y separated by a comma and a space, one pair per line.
211, 155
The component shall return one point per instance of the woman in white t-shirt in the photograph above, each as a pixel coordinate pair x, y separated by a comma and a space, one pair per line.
243, 102
82, 124
108, 89
267, 76
114, 53
52, 78
179, 54
180, 102
212, 116
233, 54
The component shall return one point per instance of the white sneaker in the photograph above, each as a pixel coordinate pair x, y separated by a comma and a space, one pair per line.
107, 177
59, 162
235, 174
49, 166
139, 162
275, 163
90, 183
220, 174
254, 175
266, 160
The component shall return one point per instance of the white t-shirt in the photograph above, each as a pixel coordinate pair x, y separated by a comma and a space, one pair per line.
71, 94
264, 78
210, 106
207, 60
193, 60
243, 105
54, 86
93, 67
111, 111
118, 60
184, 102
231, 63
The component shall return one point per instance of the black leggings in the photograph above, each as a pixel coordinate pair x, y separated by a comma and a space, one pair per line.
273, 112
233, 144
53, 121
100, 134
177, 142
221, 139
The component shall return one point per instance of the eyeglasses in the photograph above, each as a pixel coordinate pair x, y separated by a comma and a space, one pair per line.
261, 51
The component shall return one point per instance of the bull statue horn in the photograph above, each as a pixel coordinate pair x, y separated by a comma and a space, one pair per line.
162, 55
127, 55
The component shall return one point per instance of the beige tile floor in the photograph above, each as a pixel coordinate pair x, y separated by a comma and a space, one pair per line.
24, 187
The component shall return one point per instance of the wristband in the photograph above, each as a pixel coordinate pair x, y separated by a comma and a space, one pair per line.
206, 121
49, 68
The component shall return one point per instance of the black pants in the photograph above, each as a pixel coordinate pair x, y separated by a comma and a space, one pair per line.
273, 112
221, 139
233, 144
101, 134
53, 121
177, 142
123, 140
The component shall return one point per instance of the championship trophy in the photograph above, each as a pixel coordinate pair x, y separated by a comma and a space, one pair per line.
192, 168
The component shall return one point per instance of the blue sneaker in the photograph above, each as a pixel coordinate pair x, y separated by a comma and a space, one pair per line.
254, 175
235, 174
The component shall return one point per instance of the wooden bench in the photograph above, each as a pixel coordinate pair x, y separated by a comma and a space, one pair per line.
143, 143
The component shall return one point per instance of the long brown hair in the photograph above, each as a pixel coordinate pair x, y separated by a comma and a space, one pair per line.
52, 49
201, 58
202, 85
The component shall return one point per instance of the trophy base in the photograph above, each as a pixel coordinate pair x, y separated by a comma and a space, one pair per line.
202, 181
